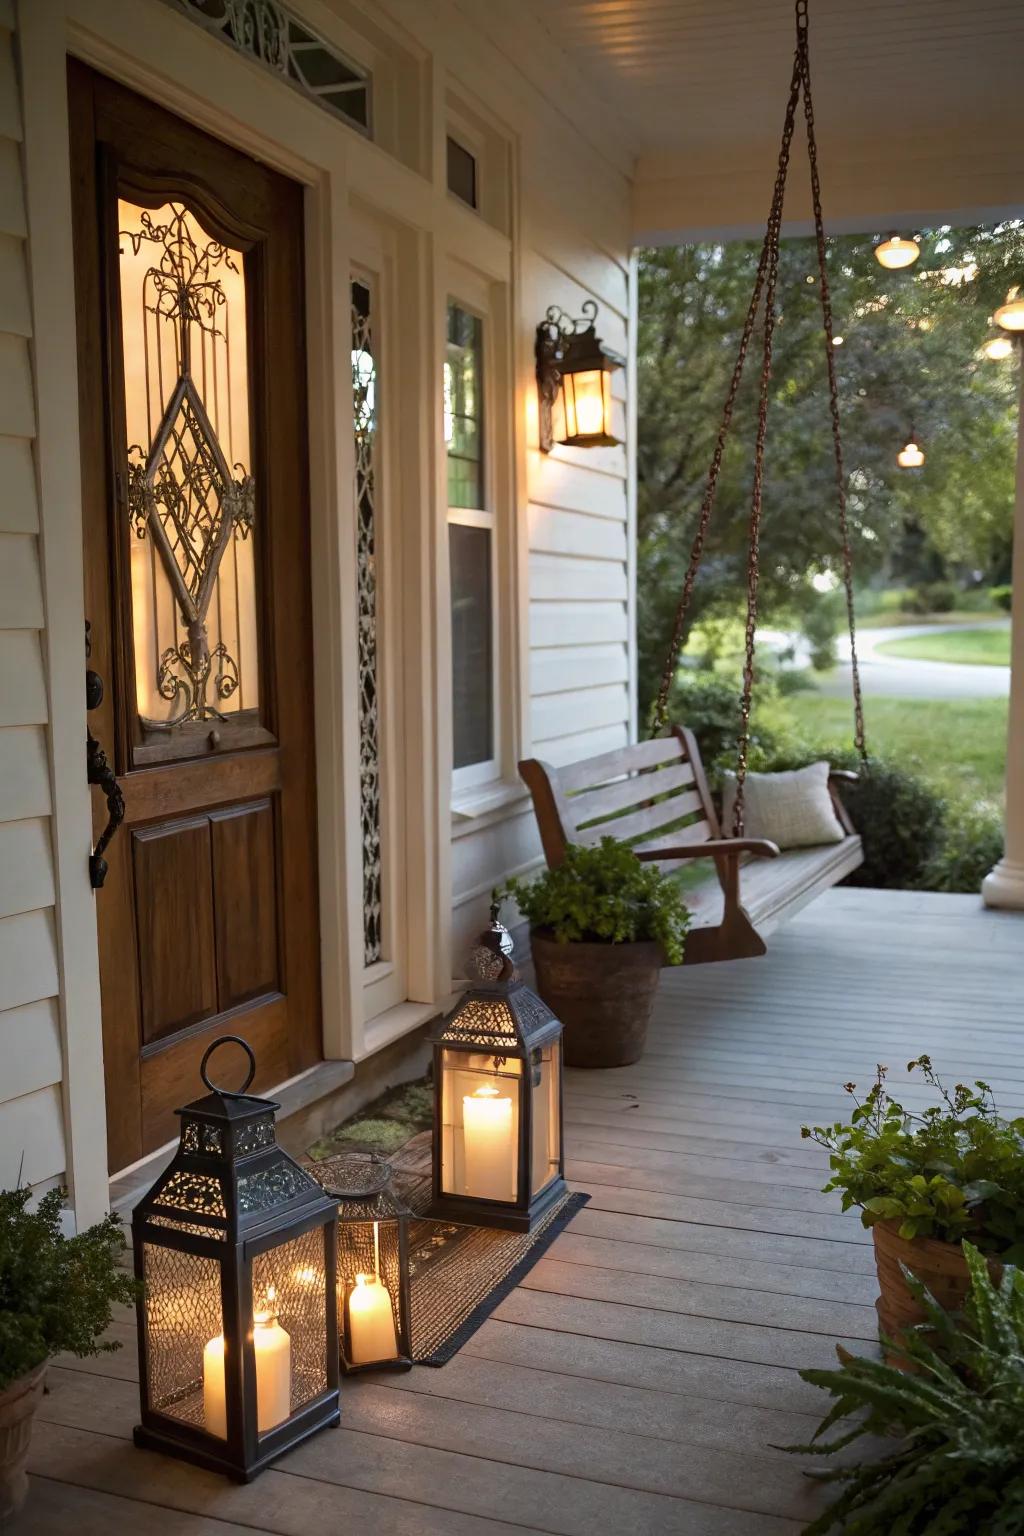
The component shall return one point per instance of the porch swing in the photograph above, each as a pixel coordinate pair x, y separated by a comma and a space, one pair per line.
654, 796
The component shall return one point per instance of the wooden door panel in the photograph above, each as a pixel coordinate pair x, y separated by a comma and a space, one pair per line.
170, 1070
174, 919
209, 919
245, 902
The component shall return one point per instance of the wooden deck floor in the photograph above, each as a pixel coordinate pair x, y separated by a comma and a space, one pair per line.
639, 1379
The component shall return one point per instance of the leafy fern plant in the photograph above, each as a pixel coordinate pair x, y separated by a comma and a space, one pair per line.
604, 895
957, 1467
56, 1292
955, 1170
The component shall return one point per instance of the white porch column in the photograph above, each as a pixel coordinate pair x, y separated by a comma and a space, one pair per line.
1004, 886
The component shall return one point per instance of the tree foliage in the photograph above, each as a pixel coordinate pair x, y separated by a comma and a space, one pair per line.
910, 356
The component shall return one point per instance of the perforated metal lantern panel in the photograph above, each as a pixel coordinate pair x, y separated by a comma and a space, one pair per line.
372, 1242
238, 1330
497, 1142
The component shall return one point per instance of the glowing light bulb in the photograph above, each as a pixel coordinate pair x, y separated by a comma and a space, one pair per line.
896, 252
997, 347
910, 457
1011, 314
837, 341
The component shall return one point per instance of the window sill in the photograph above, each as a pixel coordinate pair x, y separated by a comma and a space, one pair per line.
476, 807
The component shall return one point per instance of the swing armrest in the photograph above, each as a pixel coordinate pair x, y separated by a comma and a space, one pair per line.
715, 847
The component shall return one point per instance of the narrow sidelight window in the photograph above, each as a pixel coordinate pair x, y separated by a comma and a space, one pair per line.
471, 552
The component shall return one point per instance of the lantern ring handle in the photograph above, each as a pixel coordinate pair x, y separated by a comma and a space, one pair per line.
228, 1040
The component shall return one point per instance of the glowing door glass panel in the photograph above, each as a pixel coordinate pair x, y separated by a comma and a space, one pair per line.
544, 1085
183, 291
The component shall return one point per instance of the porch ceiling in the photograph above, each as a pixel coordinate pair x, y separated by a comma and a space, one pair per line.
917, 103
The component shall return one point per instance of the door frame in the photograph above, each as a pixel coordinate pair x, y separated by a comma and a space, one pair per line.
160, 54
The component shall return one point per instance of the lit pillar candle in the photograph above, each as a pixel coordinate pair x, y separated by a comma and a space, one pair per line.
371, 1322
490, 1147
272, 1348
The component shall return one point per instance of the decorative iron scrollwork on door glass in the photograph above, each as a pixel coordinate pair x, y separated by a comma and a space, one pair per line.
364, 401
191, 499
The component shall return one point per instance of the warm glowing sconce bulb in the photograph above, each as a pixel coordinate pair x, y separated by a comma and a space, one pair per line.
1011, 314
910, 457
896, 252
997, 347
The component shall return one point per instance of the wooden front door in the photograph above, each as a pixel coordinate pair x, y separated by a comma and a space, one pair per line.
189, 282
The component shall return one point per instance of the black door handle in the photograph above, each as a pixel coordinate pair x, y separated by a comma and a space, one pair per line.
99, 771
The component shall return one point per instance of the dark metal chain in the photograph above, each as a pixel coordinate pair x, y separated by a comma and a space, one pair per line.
833, 390
765, 283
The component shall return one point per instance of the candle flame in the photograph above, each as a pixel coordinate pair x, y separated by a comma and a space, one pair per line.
362, 1280
486, 1091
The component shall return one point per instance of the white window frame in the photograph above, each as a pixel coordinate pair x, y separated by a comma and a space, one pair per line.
474, 297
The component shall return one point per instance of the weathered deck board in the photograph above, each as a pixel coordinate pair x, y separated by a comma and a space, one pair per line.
639, 1378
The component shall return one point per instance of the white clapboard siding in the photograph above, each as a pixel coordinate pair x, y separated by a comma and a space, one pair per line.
570, 580
31, 1113
24, 773
30, 1047
576, 533
581, 623
585, 709
564, 669
22, 679
28, 959
32, 1138
26, 866
556, 481
571, 749
19, 511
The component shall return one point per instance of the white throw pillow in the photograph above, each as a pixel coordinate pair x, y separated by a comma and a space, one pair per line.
793, 809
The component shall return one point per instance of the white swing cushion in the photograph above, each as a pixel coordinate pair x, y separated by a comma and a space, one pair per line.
793, 809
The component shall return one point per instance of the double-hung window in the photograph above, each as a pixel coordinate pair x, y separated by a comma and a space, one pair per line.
472, 553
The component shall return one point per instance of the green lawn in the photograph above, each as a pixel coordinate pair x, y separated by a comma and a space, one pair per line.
885, 618
985, 647
960, 744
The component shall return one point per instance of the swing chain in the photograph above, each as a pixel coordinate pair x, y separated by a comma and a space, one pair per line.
765, 282
833, 399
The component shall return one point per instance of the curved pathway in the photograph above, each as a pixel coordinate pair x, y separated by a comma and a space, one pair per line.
902, 677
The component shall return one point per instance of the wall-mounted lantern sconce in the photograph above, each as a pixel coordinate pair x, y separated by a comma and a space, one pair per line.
574, 390
911, 456
1010, 316
897, 251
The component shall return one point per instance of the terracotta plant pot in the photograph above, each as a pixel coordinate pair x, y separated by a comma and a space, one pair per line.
18, 1404
603, 994
939, 1266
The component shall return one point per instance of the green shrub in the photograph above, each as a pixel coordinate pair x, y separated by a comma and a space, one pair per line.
930, 597
790, 680
945, 1448
972, 844
604, 895
1002, 597
710, 707
819, 624
955, 1170
901, 820
56, 1292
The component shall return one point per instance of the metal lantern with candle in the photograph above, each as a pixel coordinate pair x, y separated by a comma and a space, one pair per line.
373, 1265
574, 381
497, 1149
238, 1327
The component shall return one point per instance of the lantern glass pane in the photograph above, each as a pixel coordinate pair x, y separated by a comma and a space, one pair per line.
480, 1117
585, 403
289, 1304
369, 1290
545, 1063
183, 1315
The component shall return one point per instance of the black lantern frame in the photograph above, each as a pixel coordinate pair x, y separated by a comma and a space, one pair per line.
567, 348
236, 1249
373, 1242
504, 1035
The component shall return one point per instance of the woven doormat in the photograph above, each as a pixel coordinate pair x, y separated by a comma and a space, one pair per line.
459, 1274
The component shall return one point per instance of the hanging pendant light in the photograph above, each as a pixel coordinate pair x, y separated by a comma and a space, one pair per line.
897, 252
911, 455
1010, 316
997, 346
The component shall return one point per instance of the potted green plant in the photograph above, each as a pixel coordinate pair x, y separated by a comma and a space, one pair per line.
957, 1422
602, 924
924, 1182
56, 1295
